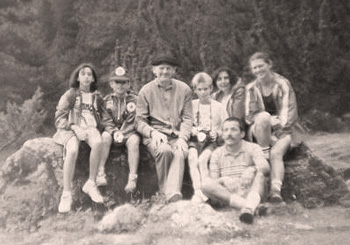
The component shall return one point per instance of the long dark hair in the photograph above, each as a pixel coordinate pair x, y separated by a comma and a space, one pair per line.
73, 80
231, 74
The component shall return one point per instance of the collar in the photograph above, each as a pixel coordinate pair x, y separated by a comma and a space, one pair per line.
229, 153
170, 86
116, 96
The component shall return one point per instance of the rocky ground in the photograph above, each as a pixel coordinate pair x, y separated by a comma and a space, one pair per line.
187, 223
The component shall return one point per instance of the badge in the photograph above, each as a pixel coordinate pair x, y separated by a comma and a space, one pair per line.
131, 107
118, 137
77, 102
201, 136
120, 71
109, 104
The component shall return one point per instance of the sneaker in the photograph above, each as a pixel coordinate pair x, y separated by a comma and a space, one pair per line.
65, 203
131, 185
262, 209
275, 196
246, 216
91, 189
101, 179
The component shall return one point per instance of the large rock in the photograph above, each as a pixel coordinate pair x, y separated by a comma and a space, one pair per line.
312, 182
31, 182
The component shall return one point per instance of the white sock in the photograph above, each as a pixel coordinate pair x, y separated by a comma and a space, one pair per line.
253, 200
276, 184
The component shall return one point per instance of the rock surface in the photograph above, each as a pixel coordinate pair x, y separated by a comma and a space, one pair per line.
31, 185
312, 182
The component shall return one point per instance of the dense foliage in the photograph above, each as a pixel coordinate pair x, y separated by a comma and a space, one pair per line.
42, 41
22, 122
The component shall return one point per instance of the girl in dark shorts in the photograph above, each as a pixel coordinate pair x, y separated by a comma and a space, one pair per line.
208, 116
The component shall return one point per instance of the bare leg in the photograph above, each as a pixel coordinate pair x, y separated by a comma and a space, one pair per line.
256, 191
106, 146
262, 129
132, 144
214, 189
277, 166
94, 140
72, 150
204, 162
194, 170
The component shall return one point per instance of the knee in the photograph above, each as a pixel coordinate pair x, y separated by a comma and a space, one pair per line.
73, 148
207, 185
97, 143
179, 154
164, 150
262, 119
133, 142
106, 139
260, 178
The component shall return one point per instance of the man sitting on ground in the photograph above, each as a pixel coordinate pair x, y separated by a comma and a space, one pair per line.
237, 171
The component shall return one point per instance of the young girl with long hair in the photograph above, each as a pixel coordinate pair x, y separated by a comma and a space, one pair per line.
77, 119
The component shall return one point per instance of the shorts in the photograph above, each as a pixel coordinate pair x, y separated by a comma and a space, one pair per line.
62, 136
296, 131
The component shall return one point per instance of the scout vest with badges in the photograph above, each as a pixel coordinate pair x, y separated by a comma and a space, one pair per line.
120, 108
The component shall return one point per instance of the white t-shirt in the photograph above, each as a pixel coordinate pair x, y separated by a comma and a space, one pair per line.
211, 115
87, 116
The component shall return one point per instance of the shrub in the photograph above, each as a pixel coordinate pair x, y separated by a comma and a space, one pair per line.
316, 120
22, 122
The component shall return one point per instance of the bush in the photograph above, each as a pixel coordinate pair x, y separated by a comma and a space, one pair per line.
316, 120
22, 122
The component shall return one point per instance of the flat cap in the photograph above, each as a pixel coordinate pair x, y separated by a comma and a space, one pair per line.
165, 59
119, 74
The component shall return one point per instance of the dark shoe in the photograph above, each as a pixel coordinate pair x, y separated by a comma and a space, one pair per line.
246, 216
275, 196
262, 210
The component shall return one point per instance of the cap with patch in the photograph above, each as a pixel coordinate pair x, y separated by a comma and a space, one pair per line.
165, 59
119, 74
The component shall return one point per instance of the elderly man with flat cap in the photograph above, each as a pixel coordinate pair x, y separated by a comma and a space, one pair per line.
164, 118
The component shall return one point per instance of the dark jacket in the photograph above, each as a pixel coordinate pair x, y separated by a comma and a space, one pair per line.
235, 105
122, 111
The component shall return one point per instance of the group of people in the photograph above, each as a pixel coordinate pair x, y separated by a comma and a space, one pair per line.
234, 139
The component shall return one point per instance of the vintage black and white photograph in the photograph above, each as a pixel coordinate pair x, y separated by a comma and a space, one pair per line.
174, 122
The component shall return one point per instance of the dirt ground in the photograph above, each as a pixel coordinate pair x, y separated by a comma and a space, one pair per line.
286, 224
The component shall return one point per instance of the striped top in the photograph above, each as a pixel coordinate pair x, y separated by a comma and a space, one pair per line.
283, 96
224, 163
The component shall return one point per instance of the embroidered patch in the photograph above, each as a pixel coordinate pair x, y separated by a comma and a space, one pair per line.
131, 107
77, 102
109, 104
120, 71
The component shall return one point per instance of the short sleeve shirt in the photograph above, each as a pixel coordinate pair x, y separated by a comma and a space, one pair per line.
230, 164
